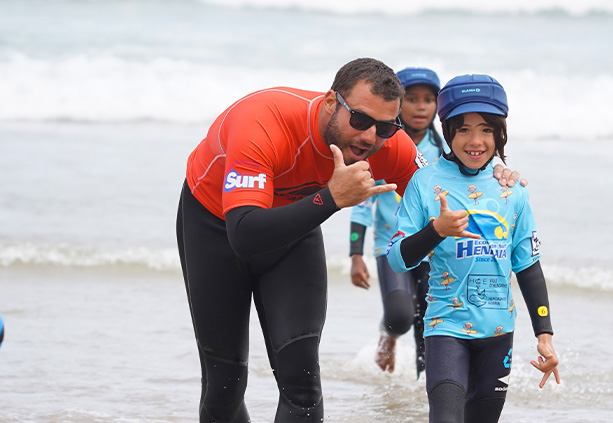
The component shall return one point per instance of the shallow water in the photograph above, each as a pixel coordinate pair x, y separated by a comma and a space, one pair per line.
103, 102
116, 345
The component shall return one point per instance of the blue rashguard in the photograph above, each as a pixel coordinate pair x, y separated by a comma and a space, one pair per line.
384, 219
469, 289
429, 149
387, 203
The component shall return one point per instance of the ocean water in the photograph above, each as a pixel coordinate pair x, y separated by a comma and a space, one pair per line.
102, 101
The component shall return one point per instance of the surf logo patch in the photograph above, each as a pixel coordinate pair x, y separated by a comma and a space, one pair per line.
236, 180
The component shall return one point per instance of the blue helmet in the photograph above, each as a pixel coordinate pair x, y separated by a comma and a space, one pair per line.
472, 93
414, 76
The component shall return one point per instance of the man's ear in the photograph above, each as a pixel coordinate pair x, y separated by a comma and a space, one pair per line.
329, 104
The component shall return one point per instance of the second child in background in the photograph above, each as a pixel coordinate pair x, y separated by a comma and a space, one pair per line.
403, 295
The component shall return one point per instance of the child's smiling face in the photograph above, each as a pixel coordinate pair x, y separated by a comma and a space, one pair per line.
473, 143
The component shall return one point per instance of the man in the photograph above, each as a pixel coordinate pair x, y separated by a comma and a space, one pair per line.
272, 168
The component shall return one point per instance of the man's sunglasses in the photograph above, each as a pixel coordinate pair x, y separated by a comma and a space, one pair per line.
361, 121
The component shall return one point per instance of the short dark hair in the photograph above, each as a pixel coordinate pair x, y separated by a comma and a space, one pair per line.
497, 122
384, 81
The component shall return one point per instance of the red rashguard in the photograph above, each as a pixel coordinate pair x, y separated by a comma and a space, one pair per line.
265, 151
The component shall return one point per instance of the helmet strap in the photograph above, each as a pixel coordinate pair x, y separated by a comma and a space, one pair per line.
463, 169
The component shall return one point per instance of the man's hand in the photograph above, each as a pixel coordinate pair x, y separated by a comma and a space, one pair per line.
507, 177
359, 272
350, 185
452, 223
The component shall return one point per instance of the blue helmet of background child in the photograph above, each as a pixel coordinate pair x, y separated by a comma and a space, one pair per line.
414, 76
472, 93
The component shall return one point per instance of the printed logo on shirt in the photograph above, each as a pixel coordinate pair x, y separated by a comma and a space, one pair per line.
399, 235
480, 247
236, 180
420, 160
488, 291
295, 193
536, 243
494, 231
488, 224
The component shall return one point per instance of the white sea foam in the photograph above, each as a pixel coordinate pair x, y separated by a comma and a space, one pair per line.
69, 256
112, 89
404, 7
167, 260
556, 81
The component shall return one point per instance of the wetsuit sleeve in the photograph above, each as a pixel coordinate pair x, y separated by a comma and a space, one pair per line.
254, 230
415, 247
361, 218
356, 240
531, 282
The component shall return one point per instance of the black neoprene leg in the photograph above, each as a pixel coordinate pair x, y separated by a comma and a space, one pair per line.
490, 370
447, 373
419, 278
486, 410
219, 296
397, 296
478, 367
291, 301
447, 403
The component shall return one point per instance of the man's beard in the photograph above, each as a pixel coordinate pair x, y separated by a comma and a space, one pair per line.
332, 135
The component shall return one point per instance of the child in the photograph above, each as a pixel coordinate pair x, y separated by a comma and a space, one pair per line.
476, 233
403, 295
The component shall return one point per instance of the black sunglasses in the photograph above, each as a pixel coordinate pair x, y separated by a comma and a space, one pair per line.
361, 121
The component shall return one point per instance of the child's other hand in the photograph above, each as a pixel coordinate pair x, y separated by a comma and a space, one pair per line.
547, 360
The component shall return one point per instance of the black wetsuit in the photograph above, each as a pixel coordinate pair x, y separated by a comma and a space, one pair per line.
289, 288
